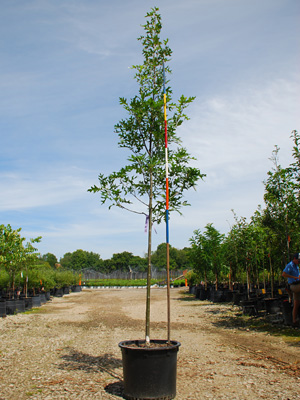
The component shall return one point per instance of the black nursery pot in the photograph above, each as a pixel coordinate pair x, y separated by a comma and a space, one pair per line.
287, 311
10, 307
149, 372
272, 305
2, 308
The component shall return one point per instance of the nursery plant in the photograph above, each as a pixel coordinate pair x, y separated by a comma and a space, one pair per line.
141, 187
63, 278
14, 256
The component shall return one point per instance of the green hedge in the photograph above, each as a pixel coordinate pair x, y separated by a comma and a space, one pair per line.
117, 282
125, 282
179, 283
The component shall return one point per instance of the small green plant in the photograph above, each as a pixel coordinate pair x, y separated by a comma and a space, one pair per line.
118, 282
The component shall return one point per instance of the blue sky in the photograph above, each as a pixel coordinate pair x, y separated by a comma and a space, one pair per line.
64, 65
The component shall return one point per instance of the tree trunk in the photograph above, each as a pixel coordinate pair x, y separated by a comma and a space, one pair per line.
248, 280
271, 277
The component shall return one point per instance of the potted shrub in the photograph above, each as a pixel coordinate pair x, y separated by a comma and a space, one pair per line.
4, 282
76, 283
63, 281
33, 282
48, 280
151, 185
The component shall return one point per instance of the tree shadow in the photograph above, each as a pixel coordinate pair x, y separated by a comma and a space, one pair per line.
187, 297
260, 323
77, 360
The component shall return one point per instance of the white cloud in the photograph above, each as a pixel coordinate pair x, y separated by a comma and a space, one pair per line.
41, 189
235, 134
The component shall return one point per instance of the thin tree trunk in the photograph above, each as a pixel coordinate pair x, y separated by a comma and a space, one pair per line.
271, 277
248, 280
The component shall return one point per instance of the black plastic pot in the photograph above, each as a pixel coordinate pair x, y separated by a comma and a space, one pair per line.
10, 307
192, 290
149, 372
43, 298
228, 295
76, 288
197, 294
66, 289
236, 298
36, 301
287, 311
47, 294
20, 305
59, 292
217, 296
272, 305
28, 303
203, 294
249, 307
2, 308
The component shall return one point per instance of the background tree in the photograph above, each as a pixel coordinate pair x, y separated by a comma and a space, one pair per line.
66, 261
50, 258
159, 257
139, 187
138, 263
81, 259
121, 261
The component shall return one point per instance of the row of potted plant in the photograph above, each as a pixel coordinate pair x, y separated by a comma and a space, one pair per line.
34, 298
35, 280
261, 299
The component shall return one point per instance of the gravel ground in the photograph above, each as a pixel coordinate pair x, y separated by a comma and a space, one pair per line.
68, 349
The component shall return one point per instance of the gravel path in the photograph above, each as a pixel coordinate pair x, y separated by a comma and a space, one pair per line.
68, 349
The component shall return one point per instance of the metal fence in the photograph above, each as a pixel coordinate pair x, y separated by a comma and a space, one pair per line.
155, 274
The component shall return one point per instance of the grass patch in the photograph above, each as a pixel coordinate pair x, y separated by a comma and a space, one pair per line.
35, 310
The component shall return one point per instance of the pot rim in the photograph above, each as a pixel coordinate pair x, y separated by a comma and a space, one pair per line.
126, 344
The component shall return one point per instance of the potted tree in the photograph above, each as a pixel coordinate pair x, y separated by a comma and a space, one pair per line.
11, 255
4, 282
150, 185
63, 281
